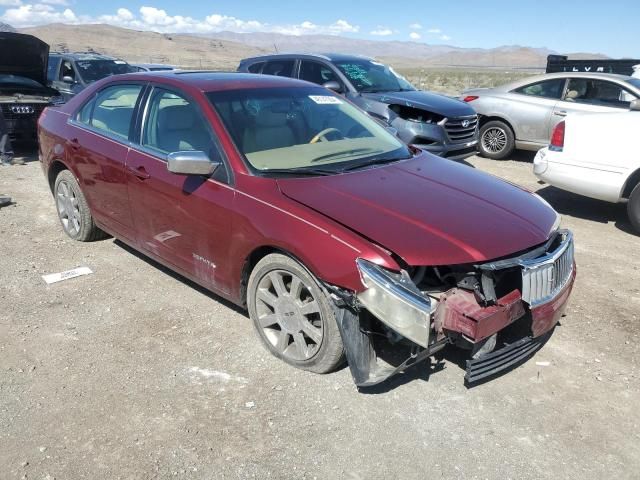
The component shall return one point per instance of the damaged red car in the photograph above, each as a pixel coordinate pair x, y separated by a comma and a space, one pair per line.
286, 199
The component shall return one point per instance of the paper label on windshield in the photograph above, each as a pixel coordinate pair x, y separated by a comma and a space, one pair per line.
325, 99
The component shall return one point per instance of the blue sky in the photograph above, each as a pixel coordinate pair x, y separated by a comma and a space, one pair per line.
609, 27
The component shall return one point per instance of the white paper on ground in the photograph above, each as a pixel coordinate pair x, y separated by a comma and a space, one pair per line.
58, 277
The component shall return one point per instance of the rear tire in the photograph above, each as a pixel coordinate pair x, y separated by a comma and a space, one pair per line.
497, 140
73, 210
633, 208
292, 315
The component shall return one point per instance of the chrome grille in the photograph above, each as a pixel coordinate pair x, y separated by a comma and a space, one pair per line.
543, 278
461, 129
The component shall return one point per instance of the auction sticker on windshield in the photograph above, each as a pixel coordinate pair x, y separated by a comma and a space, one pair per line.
325, 99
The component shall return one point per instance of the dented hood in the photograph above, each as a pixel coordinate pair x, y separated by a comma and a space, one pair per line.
431, 102
24, 55
429, 210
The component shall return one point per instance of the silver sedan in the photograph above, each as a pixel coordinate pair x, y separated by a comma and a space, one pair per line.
523, 114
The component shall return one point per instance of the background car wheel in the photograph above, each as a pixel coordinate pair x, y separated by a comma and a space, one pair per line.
73, 210
293, 316
633, 208
496, 140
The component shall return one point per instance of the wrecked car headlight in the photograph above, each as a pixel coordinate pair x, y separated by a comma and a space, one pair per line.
395, 300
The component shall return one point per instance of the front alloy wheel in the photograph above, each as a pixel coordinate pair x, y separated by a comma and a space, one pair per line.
292, 315
496, 140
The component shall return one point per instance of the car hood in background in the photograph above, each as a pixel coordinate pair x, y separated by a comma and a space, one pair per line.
429, 210
24, 55
432, 102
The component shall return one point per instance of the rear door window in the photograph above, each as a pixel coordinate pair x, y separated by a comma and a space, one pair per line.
316, 72
111, 110
256, 67
52, 68
279, 68
546, 89
597, 92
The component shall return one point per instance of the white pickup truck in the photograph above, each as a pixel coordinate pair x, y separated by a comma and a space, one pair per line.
598, 156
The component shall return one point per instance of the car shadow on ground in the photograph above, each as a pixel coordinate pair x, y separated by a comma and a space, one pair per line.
574, 205
26, 151
522, 156
181, 279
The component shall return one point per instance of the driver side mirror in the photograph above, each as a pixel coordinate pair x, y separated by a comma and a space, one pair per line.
68, 79
333, 85
634, 106
191, 162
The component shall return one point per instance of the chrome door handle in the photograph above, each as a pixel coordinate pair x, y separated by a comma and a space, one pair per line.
560, 113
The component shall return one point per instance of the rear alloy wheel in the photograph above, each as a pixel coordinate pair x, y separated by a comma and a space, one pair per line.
633, 208
496, 140
73, 210
293, 316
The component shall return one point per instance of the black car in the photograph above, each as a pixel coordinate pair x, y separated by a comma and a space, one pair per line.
438, 124
69, 73
23, 79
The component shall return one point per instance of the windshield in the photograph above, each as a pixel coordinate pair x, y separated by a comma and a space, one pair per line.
369, 76
292, 129
635, 82
94, 70
16, 80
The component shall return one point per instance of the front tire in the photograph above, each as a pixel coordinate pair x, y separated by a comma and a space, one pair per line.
292, 315
497, 140
73, 210
633, 208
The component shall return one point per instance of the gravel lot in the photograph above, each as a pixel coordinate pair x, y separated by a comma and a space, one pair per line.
135, 373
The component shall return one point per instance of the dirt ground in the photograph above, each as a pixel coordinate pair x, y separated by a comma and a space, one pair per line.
134, 373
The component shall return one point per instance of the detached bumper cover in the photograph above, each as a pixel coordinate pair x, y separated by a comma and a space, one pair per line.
502, 359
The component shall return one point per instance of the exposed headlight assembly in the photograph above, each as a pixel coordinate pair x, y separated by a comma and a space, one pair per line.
394, 299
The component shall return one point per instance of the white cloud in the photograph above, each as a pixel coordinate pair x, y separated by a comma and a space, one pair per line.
37, 14
381, 31
157, 19
434, 30
415, 26
415, 36
445, 38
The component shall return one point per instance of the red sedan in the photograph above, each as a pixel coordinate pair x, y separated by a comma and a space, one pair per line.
284, 198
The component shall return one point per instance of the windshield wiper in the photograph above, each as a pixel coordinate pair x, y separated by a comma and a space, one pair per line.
374, 161
300, 171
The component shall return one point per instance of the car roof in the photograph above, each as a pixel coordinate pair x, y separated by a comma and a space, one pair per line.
331, 57
550, 76
210, 81
83, 56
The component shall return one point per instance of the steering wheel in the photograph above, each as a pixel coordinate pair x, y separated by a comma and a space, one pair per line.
322, 136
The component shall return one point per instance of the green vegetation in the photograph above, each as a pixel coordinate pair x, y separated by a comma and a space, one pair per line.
453, 81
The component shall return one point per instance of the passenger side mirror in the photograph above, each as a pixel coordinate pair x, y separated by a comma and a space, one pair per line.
68, 79
333, 85
191, 162
634, 106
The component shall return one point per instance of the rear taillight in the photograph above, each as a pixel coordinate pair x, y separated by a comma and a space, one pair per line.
470, 98
557, 138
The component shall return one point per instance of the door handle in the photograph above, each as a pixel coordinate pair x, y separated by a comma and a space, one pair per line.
560, 113
139, 172
74, 144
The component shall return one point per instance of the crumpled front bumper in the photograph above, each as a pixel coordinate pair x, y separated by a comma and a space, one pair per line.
459, 314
